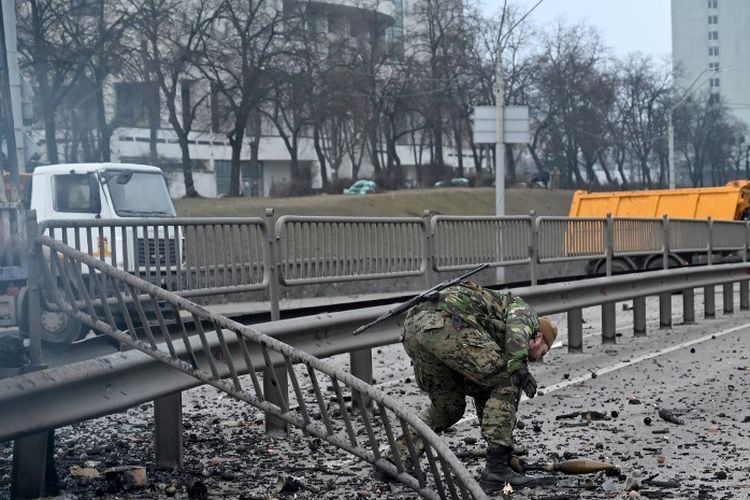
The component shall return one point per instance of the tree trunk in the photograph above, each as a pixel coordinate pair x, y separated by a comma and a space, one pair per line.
510, 165
235, 142
105, 134
187, 168
321, 158
50, 133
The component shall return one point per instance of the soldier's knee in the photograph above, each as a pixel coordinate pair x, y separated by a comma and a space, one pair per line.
446, 414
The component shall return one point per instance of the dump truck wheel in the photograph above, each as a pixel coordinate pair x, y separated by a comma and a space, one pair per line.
619, 266
60, 328
657, 263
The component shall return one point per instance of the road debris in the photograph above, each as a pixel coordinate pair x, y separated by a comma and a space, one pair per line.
126, 477
84, 472
586, 415
670, 416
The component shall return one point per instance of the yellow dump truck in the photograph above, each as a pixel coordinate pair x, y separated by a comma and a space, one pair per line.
726, 203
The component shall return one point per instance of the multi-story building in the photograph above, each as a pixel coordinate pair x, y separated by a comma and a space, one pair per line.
709, 43
143, 134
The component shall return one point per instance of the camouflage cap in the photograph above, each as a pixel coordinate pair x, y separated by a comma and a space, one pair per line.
548, 329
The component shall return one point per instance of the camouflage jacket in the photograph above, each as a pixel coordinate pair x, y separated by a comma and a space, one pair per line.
508, 319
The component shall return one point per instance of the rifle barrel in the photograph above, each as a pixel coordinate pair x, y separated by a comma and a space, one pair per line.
417, 299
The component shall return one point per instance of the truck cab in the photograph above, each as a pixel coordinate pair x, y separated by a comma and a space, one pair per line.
100, 191
87, 192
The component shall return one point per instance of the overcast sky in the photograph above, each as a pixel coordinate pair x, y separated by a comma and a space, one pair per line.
625, 25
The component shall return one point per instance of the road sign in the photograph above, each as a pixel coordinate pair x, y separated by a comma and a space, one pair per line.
515, 124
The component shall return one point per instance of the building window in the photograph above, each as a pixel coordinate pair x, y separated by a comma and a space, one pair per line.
713, 35
713, 83
712, 4
713, 51
714, 66
713, 19
137, 104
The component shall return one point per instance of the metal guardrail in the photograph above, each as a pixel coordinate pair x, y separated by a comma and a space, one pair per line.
566, 239
327, 249
211, 256
369, 435
195, 256
63, 395
465, 242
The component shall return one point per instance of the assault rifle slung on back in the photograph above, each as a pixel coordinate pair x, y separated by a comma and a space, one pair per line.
426, 295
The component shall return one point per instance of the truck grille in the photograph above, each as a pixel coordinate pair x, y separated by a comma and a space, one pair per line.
152, 251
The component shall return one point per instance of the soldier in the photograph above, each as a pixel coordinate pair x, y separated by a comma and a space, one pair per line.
472, 341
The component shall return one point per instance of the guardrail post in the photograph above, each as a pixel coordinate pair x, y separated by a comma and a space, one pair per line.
33, 290
360, 363
727, 298
575, 330
609, 326
33, 456
274, 424
609, 241
430, 275
533, 249
273, 264
33, 474
745, 284
688, 306
168, 431
608, 308
639, 316
665, 299
709, 292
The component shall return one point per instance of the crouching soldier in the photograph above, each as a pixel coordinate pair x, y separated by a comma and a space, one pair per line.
472, 341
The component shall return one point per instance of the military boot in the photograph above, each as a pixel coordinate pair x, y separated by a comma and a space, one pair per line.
498, 472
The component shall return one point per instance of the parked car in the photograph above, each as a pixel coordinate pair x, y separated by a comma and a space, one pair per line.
455, 182
362, 186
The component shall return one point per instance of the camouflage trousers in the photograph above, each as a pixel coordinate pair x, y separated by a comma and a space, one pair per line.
451, 361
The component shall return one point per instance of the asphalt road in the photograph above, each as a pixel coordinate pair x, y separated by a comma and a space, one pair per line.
701, 372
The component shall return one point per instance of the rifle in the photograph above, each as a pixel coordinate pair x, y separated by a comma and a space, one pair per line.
426, 295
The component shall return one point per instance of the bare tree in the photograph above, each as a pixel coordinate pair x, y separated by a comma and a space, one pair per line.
567, 81
437, 29
105, 54
508, 33
706, 135
238, 50
643, 89
50, 49
169, 43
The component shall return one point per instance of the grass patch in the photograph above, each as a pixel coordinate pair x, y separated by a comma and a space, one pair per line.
404, 203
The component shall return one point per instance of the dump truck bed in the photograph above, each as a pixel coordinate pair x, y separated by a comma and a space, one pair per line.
721, 203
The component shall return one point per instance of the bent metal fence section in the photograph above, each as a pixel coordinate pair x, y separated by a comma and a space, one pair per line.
366, 429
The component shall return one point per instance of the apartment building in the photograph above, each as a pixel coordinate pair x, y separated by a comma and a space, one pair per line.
710, 40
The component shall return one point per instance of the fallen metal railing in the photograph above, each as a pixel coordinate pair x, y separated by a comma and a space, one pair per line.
72, 275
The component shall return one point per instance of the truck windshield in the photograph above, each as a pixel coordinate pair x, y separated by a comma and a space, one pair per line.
139, 194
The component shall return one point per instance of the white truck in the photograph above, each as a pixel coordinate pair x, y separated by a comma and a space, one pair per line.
74, 192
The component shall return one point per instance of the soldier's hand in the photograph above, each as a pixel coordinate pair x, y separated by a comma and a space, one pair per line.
523, 381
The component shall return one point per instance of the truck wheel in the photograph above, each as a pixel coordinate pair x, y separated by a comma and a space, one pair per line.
59, 328
619, 266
